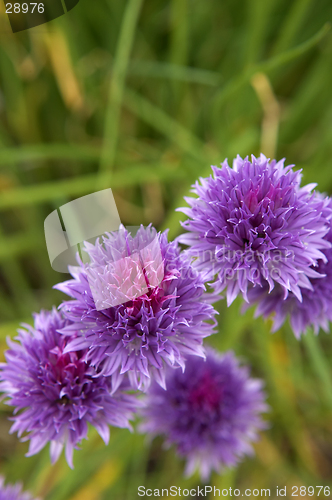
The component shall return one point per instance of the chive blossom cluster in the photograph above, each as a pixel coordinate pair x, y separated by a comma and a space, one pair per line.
256, 232
211, 413
138, 310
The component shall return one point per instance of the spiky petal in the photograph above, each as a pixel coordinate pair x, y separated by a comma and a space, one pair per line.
140, 337
314, 311
56, 394
253, 225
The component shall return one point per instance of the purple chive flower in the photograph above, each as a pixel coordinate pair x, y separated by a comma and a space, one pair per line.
160, 325
211, 412
315, 310
56, 394
12, 491
254, 226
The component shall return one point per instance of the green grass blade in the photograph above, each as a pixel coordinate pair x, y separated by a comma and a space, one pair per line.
44, 152
275, 62
111, 128
319, 364
156, 69
297, 12
165, 124
78, 186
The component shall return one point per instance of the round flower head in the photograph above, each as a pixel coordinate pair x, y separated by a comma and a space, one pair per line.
253, 225
56, 394
211, 412
138, 306
12, 492
315, 310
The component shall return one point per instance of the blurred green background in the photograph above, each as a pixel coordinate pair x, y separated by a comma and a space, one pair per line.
143, 96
